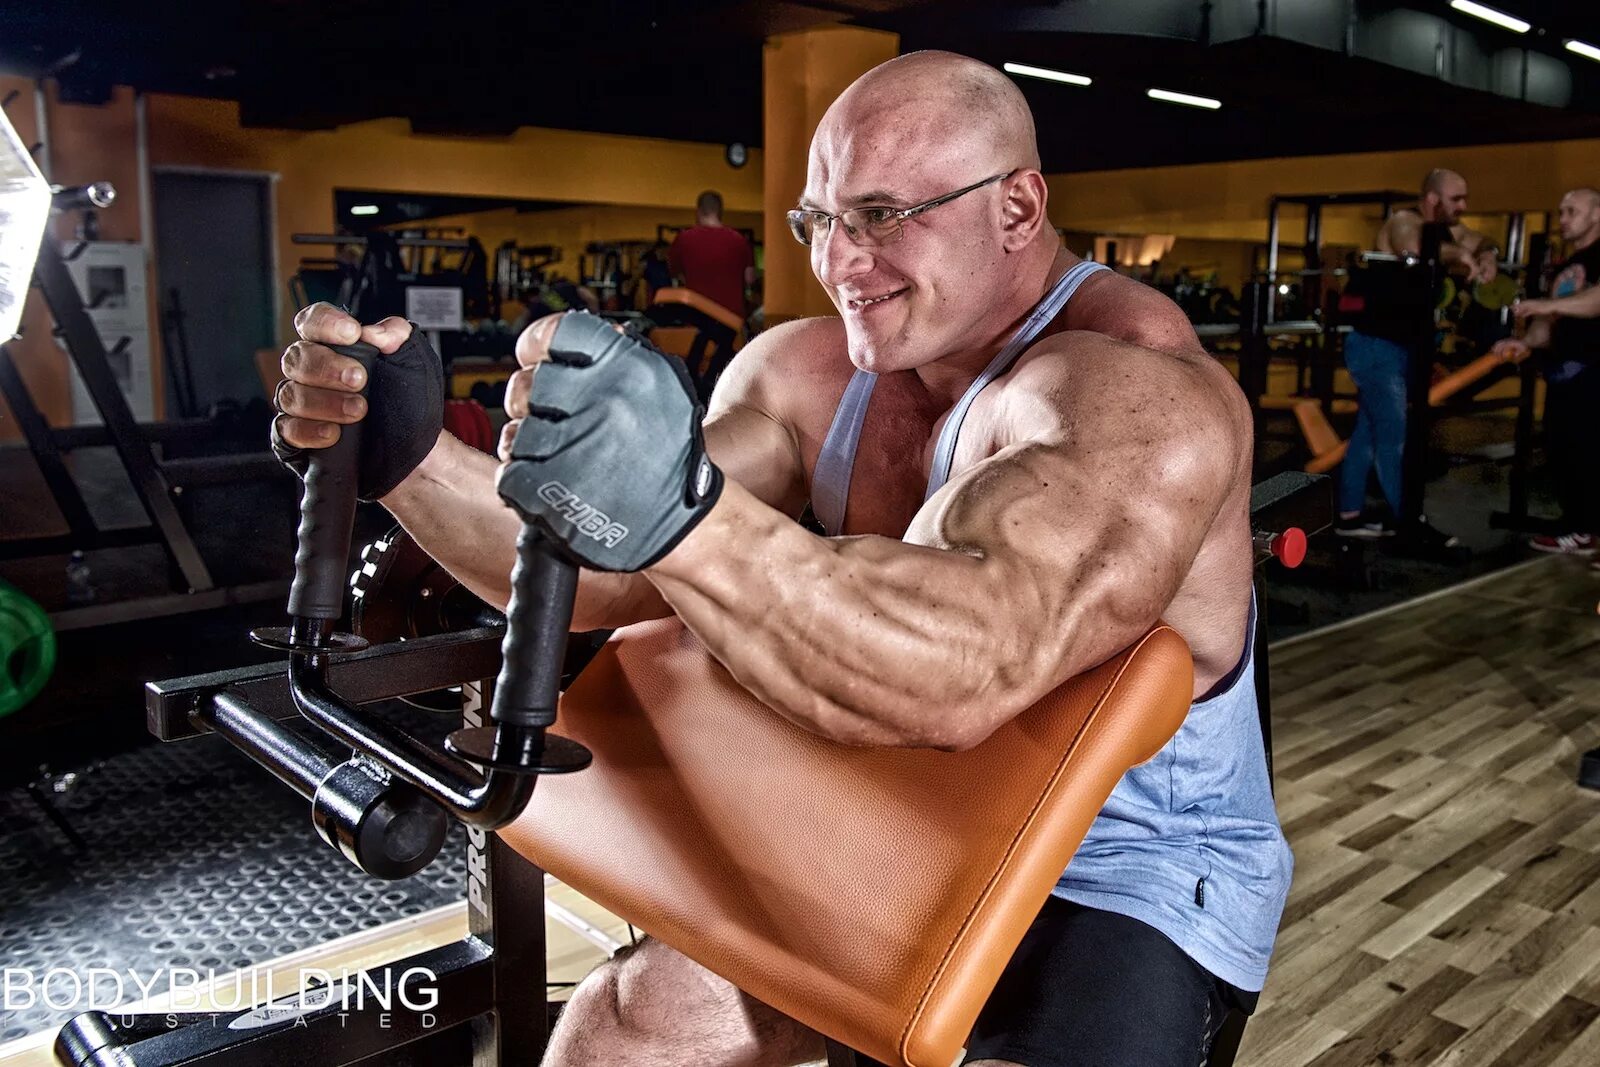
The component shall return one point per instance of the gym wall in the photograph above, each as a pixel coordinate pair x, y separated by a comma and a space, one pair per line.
571, 229
89, 143
384, 155
1228, 201
1220, 202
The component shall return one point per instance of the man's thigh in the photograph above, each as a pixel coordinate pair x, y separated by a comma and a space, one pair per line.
1090, 988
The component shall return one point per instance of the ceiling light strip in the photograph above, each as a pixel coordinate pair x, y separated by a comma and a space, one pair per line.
1489, 14
1048, 74
1187, 99
1584, 49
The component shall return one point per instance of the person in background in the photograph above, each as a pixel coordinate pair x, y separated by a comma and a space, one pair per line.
1566, 325
714, 260
1391, 306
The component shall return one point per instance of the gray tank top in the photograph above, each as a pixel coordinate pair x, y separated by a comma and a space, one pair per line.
830, 484
1188, 842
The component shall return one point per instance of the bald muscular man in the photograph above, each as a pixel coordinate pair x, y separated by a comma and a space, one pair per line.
1022, 460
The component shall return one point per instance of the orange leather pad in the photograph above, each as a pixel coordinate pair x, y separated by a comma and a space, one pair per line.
703, 304
872, 894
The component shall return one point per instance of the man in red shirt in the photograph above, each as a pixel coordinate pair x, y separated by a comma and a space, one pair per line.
712, 259
717, 262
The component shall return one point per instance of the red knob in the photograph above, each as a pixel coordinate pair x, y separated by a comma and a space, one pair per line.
1290, 547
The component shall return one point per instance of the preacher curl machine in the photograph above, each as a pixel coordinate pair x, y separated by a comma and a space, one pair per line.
384, 807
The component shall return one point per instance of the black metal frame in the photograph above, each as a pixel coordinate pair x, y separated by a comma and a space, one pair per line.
495, 979
1312, 246
154, 483
1420, 415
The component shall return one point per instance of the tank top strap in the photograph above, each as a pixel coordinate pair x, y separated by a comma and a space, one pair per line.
1040, 317
830, 483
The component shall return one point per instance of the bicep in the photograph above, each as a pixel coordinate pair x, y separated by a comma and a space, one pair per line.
1401, 236
1085, 536
1081, 548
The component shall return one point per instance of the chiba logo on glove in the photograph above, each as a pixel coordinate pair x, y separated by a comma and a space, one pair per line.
588, 520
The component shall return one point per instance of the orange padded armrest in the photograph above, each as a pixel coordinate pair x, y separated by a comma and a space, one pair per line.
1459, 379
873, 894
703, 304
674, 340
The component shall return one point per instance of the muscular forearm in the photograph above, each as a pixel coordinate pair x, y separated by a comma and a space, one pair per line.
1584, 304
867, 640
450, 507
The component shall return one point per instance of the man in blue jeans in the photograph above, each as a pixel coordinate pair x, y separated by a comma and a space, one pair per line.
1393, 304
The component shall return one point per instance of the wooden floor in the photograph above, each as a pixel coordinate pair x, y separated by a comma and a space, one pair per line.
1446, 899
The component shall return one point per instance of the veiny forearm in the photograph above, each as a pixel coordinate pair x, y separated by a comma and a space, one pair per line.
868, 640
450, 507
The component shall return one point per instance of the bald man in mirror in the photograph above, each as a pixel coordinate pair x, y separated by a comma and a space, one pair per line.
1022, 460
1390, 329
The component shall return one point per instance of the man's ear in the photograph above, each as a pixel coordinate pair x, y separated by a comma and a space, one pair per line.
1022, 211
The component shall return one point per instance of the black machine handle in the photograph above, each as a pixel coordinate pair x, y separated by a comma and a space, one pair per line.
327, 514
512, 751
539, 616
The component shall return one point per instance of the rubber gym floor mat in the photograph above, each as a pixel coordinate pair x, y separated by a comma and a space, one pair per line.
187, 856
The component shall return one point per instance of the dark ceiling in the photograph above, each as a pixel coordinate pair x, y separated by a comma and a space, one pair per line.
692, 70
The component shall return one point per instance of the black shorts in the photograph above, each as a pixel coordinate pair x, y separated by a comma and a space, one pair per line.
1091, 988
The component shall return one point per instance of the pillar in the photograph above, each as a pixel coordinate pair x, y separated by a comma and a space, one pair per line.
802, 74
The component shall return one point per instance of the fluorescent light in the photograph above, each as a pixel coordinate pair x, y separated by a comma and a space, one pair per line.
1183, 98
364, 209
1048, 74
1587, 51
1489, 14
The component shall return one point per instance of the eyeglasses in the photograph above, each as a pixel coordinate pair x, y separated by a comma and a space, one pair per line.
871, 227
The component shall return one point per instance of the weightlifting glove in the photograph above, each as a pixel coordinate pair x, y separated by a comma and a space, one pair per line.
610, 463
405, 412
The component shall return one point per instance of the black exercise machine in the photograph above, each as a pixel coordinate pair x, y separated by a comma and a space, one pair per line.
1420, 415
157, 483
384, 807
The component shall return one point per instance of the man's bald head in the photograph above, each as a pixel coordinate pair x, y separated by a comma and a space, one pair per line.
1579, 216
1438, 180
940, 98
1586, 194
948, 243
1444, 196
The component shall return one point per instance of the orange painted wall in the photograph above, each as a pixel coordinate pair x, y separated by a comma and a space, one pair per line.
1228, 201
384, 155
802, 73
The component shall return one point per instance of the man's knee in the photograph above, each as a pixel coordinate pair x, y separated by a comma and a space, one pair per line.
595, 1001
619, 993
653, 996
